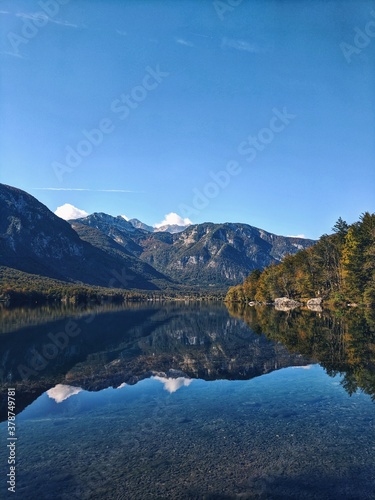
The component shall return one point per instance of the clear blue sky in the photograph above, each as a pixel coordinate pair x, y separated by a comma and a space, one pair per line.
221, 72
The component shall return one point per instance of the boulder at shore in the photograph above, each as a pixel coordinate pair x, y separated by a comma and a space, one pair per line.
285, 304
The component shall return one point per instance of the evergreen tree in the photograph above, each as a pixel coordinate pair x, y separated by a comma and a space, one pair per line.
340, 266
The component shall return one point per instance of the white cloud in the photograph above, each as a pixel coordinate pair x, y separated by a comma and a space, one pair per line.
125, 217
61, 392
306, 367
124, 384
182, 41
296, 236
173, 218
173, 384
68, 211
239, 45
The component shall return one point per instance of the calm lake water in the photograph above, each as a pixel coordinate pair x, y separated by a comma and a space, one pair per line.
189, 401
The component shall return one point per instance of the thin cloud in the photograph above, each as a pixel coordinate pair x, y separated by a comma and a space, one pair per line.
201, 35
14, 54
121, 33
64, 23
35, 17
182, 41
4, 12
239, 45
38, 16
296, 236
89, 190
60, 189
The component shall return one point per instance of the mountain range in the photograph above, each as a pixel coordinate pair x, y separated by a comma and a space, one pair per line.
110, 251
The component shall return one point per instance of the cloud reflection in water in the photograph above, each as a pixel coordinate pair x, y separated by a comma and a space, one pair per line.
173, 384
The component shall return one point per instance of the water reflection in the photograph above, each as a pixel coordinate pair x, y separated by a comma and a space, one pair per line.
62, 392
172, 385
111, 345
94, 350
154, 401
15, 318
292, 434
343, 342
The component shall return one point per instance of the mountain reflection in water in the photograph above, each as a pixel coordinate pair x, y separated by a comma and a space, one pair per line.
189, 401
125, 345
117, 344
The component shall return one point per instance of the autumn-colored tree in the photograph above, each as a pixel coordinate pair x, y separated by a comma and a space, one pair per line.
340, 266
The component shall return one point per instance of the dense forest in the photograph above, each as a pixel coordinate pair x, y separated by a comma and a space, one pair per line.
339, 268
18, 287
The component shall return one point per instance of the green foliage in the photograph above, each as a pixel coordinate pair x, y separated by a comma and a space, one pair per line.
18, 287
341, 228
339, 267
251, 284
342, 342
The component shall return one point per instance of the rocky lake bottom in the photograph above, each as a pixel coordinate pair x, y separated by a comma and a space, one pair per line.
290, 433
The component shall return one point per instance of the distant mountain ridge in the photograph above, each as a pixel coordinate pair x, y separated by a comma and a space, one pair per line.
34, 240
141, 225
216, 254
167, 228
99, 249
205, 254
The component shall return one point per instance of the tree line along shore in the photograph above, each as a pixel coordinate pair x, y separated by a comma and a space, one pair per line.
339, 269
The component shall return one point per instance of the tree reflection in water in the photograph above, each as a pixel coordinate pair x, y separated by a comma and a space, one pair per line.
342, 342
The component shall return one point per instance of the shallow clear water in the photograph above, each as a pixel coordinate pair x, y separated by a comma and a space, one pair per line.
290, 433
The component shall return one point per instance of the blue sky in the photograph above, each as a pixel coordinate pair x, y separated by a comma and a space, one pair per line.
174, 107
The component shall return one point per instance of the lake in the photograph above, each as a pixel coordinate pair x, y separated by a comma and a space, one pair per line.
189, 401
